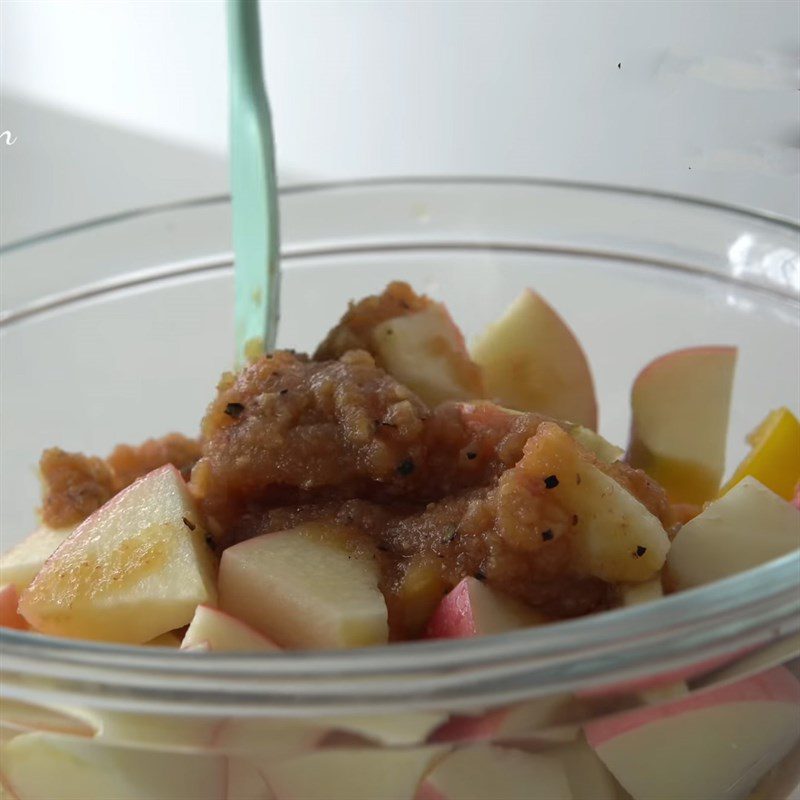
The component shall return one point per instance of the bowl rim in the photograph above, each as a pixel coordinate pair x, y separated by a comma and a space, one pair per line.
403, 180
722, 618
728, 617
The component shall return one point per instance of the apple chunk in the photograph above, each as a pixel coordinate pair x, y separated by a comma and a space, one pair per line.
413, 338
744, 528
613, 535
136, 568
426, 352
484, 771
305, 588
38, 766
543, 719
716, 744
680, 405
215, 630
22, 562
532, 361
473, 609
352, 774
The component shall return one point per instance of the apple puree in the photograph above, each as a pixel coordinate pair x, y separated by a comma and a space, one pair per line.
75, 485
450, 491
441, 491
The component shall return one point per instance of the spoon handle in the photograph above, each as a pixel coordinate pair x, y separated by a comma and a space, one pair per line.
253, 186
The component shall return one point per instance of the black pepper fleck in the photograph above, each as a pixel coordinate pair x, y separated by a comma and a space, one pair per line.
547, 535
234, 409
551, 481
472, 455
284, 391
406, 466
210, 542
480, 575
619, 66
574, 519
451, 535
640, 551
189, 524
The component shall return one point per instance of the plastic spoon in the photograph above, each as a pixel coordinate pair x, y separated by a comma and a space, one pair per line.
253, 186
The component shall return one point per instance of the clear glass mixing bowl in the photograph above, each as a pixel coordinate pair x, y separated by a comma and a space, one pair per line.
117, 331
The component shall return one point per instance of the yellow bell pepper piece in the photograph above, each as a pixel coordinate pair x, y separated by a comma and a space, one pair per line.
774, 459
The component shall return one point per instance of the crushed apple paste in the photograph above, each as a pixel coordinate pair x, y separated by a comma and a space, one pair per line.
440, 493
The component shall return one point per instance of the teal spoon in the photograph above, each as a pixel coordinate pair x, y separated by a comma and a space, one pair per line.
253, 187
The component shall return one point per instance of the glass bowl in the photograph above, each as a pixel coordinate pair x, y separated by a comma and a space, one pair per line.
118, 330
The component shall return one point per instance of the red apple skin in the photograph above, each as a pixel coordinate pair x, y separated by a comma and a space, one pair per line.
9, 794
777, 684
470, 729
453, 618
9, 616
428, 792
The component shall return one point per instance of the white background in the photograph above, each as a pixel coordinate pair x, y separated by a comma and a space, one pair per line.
695, 97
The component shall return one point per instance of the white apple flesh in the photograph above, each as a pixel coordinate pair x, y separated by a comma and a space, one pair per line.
38, 766
245, 782
426, 352
484, 771
680, 405
214, 630
303, 589
532, 361
20, 565
588, 777
742, 529
136, 568
352, 774
716, 744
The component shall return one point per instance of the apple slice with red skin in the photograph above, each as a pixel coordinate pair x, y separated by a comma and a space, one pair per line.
718, 743
306, 588
680, 406
214, 630
532, 361
474, 609
543, 720
9, 615
136, 568
485, 771
37, 766
355, 774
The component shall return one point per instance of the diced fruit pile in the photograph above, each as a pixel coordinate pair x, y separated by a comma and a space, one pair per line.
570, 518
719, 743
